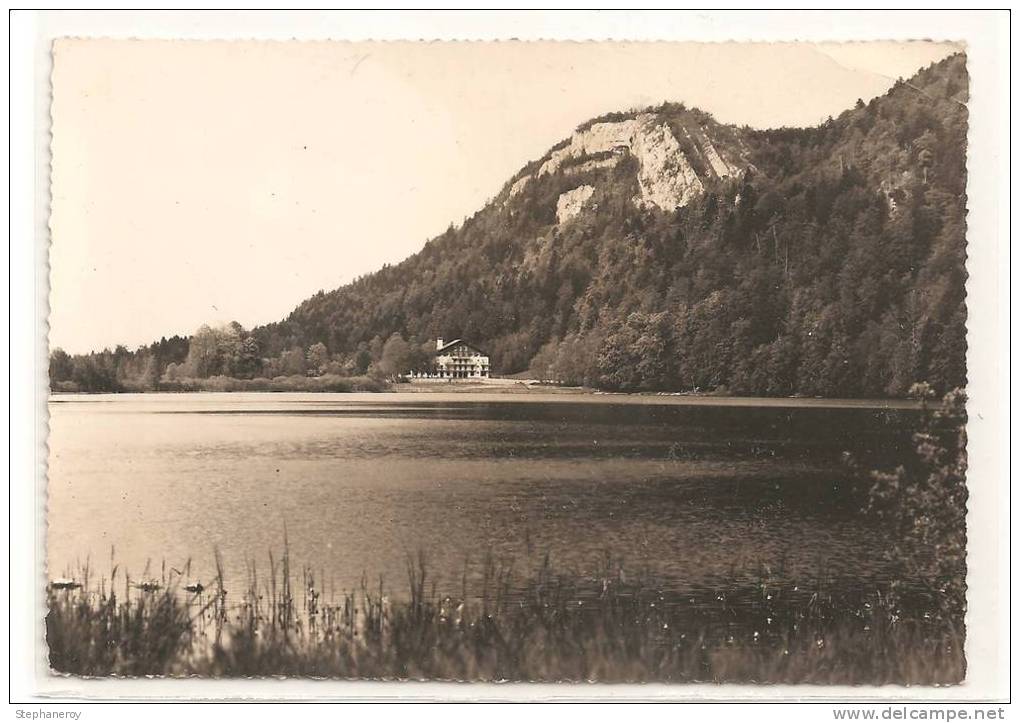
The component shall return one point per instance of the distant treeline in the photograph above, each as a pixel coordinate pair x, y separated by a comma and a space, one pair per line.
228, 358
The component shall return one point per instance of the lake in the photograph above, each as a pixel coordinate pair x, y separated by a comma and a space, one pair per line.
697, 492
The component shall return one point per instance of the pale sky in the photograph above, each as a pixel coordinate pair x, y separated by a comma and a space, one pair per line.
203, 182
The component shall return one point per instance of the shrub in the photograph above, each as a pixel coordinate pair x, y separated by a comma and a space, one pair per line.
925, 501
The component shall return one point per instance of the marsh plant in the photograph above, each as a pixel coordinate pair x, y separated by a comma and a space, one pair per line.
542, 626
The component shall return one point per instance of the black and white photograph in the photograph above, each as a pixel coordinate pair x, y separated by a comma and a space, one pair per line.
516, 361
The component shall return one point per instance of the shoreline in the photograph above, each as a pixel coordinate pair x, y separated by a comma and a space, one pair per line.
488, 392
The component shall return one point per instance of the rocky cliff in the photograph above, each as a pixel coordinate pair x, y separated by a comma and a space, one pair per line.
666, 170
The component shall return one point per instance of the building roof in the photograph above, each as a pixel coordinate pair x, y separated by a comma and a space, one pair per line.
455, 342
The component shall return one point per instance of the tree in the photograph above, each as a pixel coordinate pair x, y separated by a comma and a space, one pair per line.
362, 359
396, 357
152, 373
250, 361
96, 372
317, 357
925, 147
229, 348
203, 353
376, 347
639, 353
293, 362
543, 364
61, 366
420, 357
174, 372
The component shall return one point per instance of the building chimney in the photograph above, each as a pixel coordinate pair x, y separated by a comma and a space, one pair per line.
439, 343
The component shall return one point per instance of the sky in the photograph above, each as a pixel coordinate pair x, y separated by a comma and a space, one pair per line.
199, 182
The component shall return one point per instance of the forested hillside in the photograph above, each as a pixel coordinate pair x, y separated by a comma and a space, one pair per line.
660, 250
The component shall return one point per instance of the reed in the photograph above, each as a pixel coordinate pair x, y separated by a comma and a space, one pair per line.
325, 383
542, 626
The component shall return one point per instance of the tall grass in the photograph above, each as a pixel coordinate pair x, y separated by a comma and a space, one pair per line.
295, 383
324, 383
542, 626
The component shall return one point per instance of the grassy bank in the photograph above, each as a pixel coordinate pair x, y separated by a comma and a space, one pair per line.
324, 383
540, 627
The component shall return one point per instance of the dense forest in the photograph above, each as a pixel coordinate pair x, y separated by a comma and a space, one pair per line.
832, 263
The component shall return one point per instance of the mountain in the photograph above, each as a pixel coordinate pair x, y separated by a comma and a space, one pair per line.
658, 249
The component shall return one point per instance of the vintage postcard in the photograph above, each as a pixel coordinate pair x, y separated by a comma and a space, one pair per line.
611, 362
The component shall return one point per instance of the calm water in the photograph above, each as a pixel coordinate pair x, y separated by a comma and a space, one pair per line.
700, 493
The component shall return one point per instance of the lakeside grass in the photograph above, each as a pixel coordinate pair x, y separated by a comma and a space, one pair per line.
543, 626
324, 383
